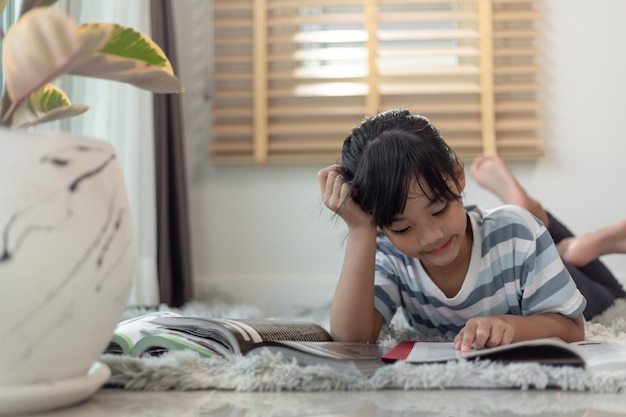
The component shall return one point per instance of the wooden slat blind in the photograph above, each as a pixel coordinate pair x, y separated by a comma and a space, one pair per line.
292, 77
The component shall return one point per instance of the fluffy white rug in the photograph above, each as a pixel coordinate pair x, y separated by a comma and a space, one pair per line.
267, 372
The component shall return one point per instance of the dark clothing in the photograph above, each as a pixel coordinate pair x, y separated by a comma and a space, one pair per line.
594, 280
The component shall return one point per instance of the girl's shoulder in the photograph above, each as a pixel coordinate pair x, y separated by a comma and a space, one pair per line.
512, 219
504, 214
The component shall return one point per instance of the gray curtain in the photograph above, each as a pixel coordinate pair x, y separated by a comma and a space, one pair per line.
174, 243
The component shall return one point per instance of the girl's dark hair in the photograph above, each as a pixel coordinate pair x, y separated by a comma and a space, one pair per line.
386, 152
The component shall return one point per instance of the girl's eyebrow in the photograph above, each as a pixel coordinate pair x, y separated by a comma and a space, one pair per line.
431, 202
429, 205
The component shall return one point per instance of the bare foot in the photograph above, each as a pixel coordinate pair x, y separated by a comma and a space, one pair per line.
569, 250
583, 249
491, 172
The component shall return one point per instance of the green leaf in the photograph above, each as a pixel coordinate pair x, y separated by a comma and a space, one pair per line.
44, 105
132, 57
130, 43
42, 45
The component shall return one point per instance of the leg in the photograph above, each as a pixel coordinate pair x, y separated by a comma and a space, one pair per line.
599, 297
583, 249
490, 172
558, 230
594, 280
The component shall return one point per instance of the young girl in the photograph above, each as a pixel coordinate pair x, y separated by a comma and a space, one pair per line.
486, 278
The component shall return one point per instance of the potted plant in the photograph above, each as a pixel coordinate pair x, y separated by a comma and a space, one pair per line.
66, 240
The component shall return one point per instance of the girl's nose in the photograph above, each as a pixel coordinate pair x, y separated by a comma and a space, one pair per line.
430, 236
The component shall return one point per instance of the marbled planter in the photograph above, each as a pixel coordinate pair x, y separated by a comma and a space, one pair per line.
66, 254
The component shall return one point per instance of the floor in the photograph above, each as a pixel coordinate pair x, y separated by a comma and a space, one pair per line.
450, 403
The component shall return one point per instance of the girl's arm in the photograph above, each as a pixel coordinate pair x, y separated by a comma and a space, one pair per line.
353, 316
559, 299
492, 331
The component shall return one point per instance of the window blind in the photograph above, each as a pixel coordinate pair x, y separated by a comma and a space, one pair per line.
292, 77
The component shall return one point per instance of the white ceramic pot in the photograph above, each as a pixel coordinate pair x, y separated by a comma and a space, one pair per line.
66, 258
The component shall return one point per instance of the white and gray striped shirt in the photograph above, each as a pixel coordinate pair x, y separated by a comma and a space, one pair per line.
514, 269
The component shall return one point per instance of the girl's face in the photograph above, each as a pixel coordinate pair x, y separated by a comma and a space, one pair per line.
433, 232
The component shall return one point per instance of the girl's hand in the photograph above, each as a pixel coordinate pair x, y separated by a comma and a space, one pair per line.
484, 332
335, 194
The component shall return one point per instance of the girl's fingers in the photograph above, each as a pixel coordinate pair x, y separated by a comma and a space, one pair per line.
344, 191
322, 177
331, 184
338, 195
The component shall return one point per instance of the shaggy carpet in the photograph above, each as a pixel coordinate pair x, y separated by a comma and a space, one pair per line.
186, 370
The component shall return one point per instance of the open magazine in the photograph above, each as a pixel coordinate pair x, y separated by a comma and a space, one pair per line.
308, 343
593, 355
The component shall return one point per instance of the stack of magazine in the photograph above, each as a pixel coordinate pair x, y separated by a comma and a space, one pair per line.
308, 343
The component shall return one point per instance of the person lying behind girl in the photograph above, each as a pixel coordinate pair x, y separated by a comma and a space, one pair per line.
482, 277
579, 253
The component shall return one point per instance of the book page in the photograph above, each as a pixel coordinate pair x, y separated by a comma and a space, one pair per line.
269, 330
240, 335
335, 350
216, 331
433, 352
128, 332
602, 355
546, 351
253, 332
157, 344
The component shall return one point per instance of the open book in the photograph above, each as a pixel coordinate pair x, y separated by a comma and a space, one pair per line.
308, 343
553, 351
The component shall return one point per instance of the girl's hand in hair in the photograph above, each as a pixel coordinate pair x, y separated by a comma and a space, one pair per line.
336, 196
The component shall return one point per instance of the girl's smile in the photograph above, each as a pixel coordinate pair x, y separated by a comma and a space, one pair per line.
442, 249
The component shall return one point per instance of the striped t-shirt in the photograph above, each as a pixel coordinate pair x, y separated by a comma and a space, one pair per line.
514, 269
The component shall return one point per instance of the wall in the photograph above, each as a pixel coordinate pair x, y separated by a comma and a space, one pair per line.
261, 235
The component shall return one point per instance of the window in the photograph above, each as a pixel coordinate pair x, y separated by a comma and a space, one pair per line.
292, 77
